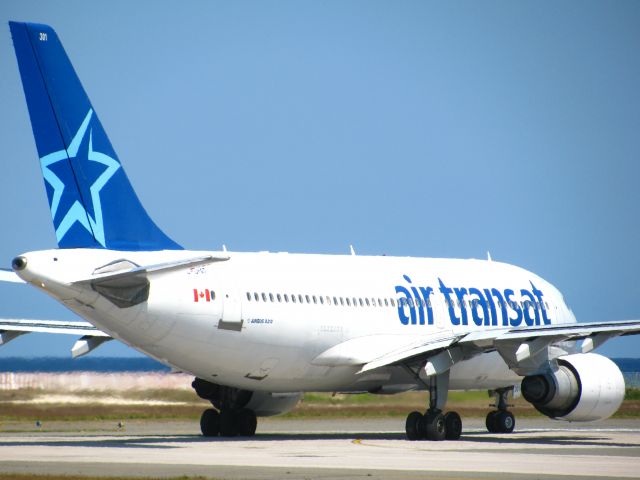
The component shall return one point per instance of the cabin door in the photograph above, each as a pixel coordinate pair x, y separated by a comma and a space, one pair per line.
231, 311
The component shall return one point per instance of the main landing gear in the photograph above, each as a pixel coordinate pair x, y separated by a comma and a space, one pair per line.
501, 420
228, 423
229, 418
434, 424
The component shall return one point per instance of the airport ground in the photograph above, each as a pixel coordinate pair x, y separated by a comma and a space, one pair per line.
320, 448
155, 434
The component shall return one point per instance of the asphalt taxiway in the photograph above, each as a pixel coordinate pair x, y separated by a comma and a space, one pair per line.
311, 448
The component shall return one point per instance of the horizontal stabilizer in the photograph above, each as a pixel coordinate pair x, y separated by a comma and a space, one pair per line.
139, 271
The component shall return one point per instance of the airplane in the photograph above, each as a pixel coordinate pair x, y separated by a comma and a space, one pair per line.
258, 329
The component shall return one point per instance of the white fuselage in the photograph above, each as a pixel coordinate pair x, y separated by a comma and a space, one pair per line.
260, 321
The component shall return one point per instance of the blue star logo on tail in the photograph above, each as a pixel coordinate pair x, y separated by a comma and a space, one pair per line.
77, 211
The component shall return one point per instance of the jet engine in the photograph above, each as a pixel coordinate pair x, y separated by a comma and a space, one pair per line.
581, 388
263, 404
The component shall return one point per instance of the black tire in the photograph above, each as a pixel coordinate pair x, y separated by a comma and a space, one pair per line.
491, 421
505, 422
228, 425
434, 426
210, 423
411, 426
453, 426
246, 422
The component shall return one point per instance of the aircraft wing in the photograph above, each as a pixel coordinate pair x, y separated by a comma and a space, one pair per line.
11, 328
523, 349
90, 339
9, 276
369, 350
49, 326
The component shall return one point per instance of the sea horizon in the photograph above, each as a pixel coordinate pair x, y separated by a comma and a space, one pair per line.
146, 364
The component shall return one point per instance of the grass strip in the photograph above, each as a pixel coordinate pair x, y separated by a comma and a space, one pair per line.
20, 406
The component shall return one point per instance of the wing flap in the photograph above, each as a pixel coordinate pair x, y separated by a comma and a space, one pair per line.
362, 350
425, 350
523, 349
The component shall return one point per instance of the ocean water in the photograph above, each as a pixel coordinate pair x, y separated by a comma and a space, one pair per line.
83, 364
629, 366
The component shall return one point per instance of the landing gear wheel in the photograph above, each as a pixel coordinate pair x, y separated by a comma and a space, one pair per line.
433, 426
228, 425
210, 423
246, 422
453, 425
505, 421
500, 421
412, 426
491, 421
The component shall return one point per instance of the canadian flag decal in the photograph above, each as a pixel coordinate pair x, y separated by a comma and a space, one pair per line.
203, 295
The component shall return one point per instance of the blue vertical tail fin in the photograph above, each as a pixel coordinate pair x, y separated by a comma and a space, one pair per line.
92, 203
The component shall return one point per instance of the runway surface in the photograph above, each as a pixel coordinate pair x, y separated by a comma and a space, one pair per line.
311, 448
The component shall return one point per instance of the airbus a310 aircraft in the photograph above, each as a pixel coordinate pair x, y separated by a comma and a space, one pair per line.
258, 329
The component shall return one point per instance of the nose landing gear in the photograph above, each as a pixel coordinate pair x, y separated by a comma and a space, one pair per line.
501, 420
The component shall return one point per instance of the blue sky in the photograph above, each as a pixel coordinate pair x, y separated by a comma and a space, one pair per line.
443, 129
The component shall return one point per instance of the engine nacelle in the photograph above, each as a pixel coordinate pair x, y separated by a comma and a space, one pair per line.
263, 404
583, 388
